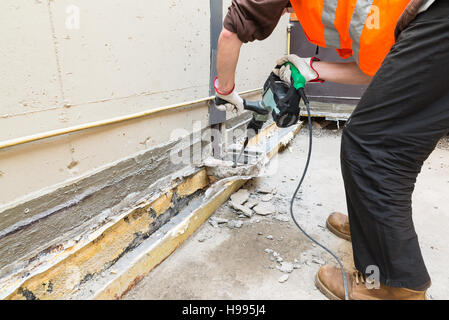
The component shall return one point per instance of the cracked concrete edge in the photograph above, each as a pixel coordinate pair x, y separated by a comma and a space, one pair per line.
102, 250
61, 280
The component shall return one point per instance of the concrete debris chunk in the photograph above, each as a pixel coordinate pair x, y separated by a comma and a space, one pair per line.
270, 237
282, 218
268, 250
267, 197
251, 203
265, 189
283, 279
234, 224
265, 208
279, 259
286, 267
318, 261
215, 221
220, 220
246, 211
240, 197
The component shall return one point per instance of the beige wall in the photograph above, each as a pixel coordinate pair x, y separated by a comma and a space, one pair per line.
127, 56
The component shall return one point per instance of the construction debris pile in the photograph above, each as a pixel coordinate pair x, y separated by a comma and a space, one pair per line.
252, 205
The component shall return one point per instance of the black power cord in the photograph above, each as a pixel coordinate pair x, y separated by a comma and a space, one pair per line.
306, 102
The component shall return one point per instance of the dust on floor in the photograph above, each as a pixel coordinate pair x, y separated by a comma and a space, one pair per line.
257, 252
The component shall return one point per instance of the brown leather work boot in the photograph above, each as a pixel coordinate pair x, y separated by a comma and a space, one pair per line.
338, 224
329, 281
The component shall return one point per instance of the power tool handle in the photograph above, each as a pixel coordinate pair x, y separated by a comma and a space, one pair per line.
254, 106
219, 101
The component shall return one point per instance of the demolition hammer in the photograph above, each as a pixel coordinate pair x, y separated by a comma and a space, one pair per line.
280, 99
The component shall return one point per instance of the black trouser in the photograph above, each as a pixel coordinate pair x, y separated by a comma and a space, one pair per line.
394, 128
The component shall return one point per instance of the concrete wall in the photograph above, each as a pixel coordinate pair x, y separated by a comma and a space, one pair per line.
60, 68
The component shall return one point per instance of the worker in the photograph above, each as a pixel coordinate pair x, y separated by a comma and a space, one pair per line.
401, 49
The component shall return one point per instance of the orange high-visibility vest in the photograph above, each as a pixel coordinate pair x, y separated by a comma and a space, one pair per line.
360, 28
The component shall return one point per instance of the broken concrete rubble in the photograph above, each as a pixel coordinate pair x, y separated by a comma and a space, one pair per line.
282, 218
265, 208
267, 197
235, 224
265, 189
245, 210
215, 221
286, 267
251, 203
318, 261
283, 279
240, 197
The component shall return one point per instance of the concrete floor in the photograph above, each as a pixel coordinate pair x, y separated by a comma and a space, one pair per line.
223, 263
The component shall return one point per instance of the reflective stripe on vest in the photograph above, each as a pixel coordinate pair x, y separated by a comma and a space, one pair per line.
359, 16
331, 35
361, 28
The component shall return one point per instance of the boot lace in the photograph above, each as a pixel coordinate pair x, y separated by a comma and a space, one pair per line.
361, 278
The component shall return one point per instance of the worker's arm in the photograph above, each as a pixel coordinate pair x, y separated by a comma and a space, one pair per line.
228, 55
315, 70
227, 58
347, 73
246, 21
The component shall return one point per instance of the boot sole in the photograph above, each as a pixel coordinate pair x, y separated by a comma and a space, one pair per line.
337, 233
324, 290
329, 294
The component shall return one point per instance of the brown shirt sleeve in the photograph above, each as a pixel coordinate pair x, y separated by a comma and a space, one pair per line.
254, 19
407, 16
